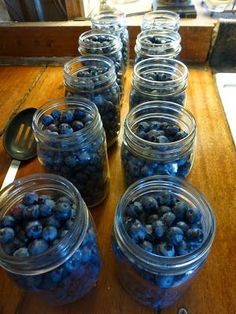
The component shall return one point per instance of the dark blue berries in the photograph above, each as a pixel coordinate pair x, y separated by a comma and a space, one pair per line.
6, 235
38, 246
34, 230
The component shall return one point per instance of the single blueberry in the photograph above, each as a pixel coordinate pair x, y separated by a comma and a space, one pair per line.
137, 231
77, 125
147, 246
195, 234
182, 225
65, 129
52, 221
46, 207
56, 114
180, 209
134, 210
182, 248
7, 235
164, 198
193, 215
63, 211
8, 221
159, 228
67, 116
34, 229
164, 209
49, 233
149, 204
168, 218
166, 249
47, 119
30, 198
31, 212
175, 235
21, 252
37, 247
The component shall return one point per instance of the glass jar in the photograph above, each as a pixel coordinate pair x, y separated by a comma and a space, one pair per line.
154, 43
161, 20
79, 156
94, 78
113, 21
159, 79
159, 139
103, 43
71, 264
151, 278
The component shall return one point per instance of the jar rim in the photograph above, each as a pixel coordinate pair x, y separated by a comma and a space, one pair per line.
108, 17
64, 249
160, 61
153, 262
85, 133
158, 15
165, 105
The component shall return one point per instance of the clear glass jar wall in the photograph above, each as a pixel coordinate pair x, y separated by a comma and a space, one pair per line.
159, 139
154, 43
158, 79
99, 42
94, 78
162, 20
71, 142
157, 273
59, 268
114, 21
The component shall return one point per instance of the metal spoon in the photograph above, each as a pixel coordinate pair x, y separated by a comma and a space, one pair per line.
19, 142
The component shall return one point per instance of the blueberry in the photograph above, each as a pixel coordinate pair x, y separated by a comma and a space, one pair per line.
159, 228
182, 225
8, 221
164, 198
193, 215
180, 209
165, 281
30, 198
31, 212
175, 235
37, 247
143, 126
137, 231
194, 234
7, 235
152, 218
46, 207
67, 116
47, 119
63, 211
134, 210
147, 246
149, 203
65, 129
168, 218
164, 209
166, 249
77, 125
52, 221
56, 114
22, 252
34, 230
182, 248
49, 233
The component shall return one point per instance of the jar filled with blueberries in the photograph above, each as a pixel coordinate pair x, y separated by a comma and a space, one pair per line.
71, 142
113, 21
154, 43
159, 139
163, 233
94, 77
47, 238
162, 20
98, 42
159, 79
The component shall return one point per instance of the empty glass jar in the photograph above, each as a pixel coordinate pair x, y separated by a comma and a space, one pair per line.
161, 20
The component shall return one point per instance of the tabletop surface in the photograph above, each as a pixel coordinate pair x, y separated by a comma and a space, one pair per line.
213, 173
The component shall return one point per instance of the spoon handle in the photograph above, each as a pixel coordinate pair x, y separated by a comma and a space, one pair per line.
11, 173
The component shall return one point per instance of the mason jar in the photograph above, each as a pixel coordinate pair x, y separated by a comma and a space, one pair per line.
159, 248
159, 79
94, 77
113, 21
154, 43
159, 139
71, 142
161, 20
98, 42
54, 251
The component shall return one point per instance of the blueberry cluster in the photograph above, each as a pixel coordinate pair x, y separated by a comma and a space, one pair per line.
36, 225
162, 224
82, 162
165, 92
105, 96
137, 166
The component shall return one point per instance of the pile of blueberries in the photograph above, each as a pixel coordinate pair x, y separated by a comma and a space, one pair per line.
81, 162
165, 92
106, 97
162, 225
37, 224
138, 166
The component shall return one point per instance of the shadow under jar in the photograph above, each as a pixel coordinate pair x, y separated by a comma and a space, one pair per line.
154, 43
53, 251
94, 77
161, 20
158, 79
95, 42
114, 21
159, 139
163, 232
71, 142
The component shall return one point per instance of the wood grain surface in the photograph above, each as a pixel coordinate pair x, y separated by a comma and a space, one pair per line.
213, 173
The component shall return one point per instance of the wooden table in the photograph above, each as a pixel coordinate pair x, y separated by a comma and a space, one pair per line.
213, 173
